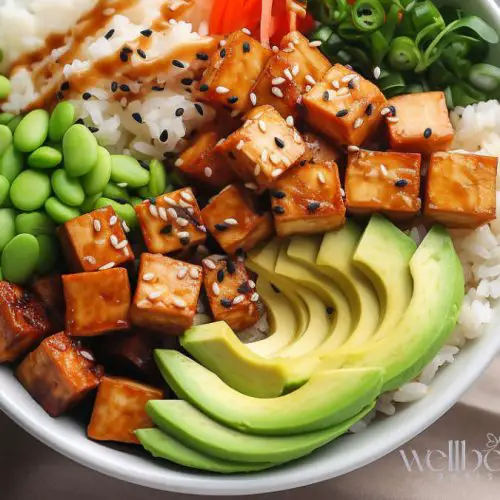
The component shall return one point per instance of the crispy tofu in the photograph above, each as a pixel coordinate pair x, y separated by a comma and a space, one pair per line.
420, 124
231, 294
263, 148
23, 321
50, 290
59, 373
461, 190
234, 221
308, 200
345, 106
233, 71
386, 182
167, 294
94, 240
319, 149
96, 303
203, 165
172, 223
119, 410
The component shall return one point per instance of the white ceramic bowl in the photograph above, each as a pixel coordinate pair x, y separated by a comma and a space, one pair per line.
68, 437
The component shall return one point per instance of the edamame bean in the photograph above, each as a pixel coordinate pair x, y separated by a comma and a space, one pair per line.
158, 178
59, 212
35, 223
135, 200
32, 132
44, 157
14, 123
79, 150
125, 211
98, 178
89, 203
128, 169
29, 190
5, 138
20, 258
4, 190
61, 120
69, 190
5, 87
11, 163
7, 226
6, 118
48, 253
116, 192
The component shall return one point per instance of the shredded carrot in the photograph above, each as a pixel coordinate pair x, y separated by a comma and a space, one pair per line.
265, 22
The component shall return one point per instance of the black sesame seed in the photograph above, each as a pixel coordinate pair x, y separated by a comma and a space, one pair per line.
203, 87
222, 53
79, 121
185, 240
246, 47
244, 288
392, 109
369, 110
231, 268
141, 53
279, 142
128, 50
221, 227
199, 108
231, 155
137, 117
312, 206
86, 96
93, 129
278, 194
178, 64
147, 33
164, 136
232, 100
59, 96
187, 81
303, 162
202, 56
114, 86
326, 96
226, 303
109, 34
352, 84
220, 275
179, 112
275, 288
341, 113
166, 229
330, 310
65, 86
144, 164
157, 88
427, 133
278, 210
401, 183
124, 88
123, 56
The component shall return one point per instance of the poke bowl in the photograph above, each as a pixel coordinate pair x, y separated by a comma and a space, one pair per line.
245, 246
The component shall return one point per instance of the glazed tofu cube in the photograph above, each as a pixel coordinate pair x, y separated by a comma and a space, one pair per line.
167, 294
96, 303
263, 148
233, 71
386, 182
419, 123
94, 240
308, 200
461, 189
49, 290
345, 106
23, 321
231, 294
119, 410
319, 149
203, 165
172, 223
59, 374
232, 218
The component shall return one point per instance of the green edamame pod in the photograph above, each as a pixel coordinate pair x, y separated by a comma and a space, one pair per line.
4, 189
98, 178
89, 203
35, 223
116, 192
11, 163
68, 189
158, 178
5, 87
79, 150
125, 211
59, 212
6, 118
20, 258
32, 132
29, 190
61, 120
5, 138
44, 157
48, 253
13, 124
128, 169
7, 225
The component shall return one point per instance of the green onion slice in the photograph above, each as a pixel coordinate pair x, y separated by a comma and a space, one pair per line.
404, 54
368, 15
485, 77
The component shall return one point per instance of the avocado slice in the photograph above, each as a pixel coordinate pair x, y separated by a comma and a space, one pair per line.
193, 428
327, 399
161, 445
438, 291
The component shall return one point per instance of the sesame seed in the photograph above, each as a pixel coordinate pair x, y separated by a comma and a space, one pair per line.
262, 126
179, 162
315, 43
290, 121
240, 145
90, 259
121, 245
171, 211
221, 227
240, 254
215, 288
147, 33
231, 221
113, 239
254, 297
353, 149
278, 210
385, 111
312, 206
114, 86
162, 213
252, 284
256, 170
239, 299
208, 172
226, 303
141, 53
279, 142
124, 88
186, 196
222, 43
253, 98
326, 96
235, 113
178, 302
401, 183
384, 170
178, 64
153, 210
246, 47
308, 88
336, 84
182, 273
164, 136
221, 90
264, 155
199, 108
277, 92
296, 137
137, 117
295, 69
222, 53
276, 172
392, 109
157, 88
202, 56
109, 265
113, 220
86, 96
220, 275
288, 74
275, 159
194, 273
166, 229
321, 177
182, 222
233, 99
342, 193
310, 79
342, 113
358, 122
109, 34
97, 225
427, 133
247, 31
148, 277
369, 109
344, 91
123, 56
209, 263
203, 87
179, 112
278, 80
244, 287
251, 185
392, 119
183, 234
125, 227
275, 49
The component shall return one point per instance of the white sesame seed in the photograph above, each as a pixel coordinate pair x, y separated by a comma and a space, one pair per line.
392, 119
254, 297
122, 184
275, 159
358, 122
221, 90
109, 265
251, 284
215, 289
277, 92
183, 234
256, 170
209, 263
125, 227
186, 196
163, 213
253, 99
170, 201
352, 148
148, 277
262, 126
97, 225
240, 145
235, 113
295, 69
310, 79
220, 142
342, 192
335, 84
154, 295
291, 45
231, 221
121, 245
222, 43
153, 210
184, 204
113, 240
308, 88
208, 172
182, 222
376, 72
288, 74
278, 80
264, 155
252, 186
348, 78
202, 228
238, 300
190, 210
275, 49
321, 178
247, 31
90, 259
296, 137
86, 355
276, 172
286, 161
182, 273
385, 111
113, 220
290, 121
343, 92
171, 211
383, 169
315, 43
194, 273
288, 49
